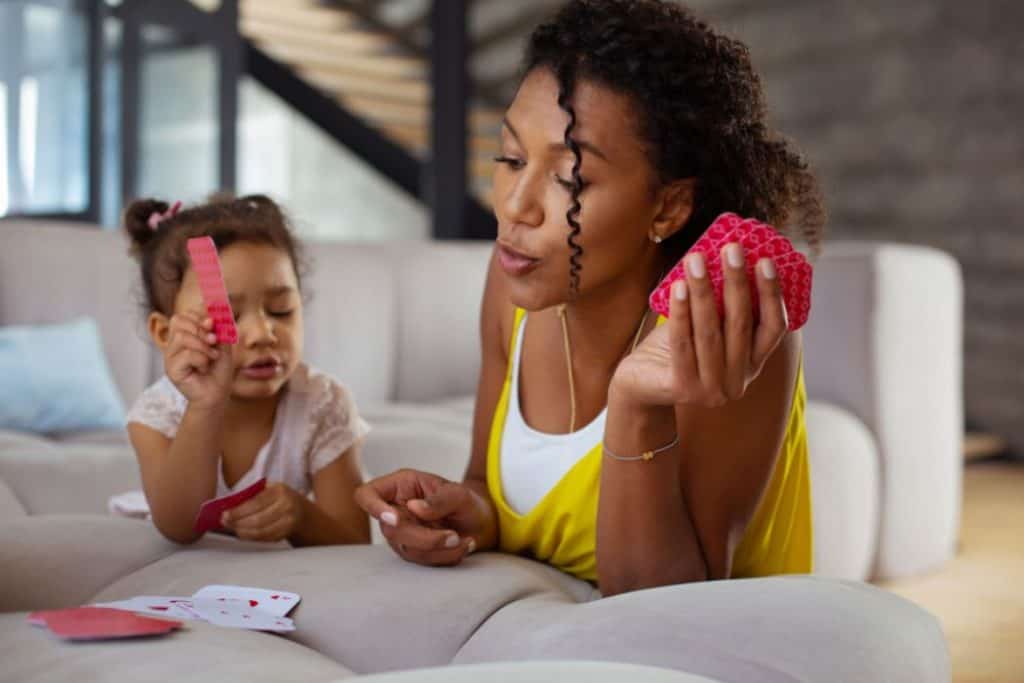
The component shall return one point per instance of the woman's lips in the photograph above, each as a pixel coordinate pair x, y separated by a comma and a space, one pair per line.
514, 263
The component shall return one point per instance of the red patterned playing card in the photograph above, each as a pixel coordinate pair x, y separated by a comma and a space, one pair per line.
208, 518
98, 623
759, 241
203, 252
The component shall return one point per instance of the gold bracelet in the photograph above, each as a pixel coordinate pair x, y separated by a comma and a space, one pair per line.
646, 455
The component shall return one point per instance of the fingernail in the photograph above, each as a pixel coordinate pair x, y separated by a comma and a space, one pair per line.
768, 268
679, 290
389, 518
451, 541
695, 265
211, 338
471, 547
734, 253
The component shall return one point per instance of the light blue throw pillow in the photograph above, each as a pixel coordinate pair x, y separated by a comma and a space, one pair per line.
55, 378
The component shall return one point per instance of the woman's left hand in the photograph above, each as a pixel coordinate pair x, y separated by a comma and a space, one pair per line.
273, 515
696, 358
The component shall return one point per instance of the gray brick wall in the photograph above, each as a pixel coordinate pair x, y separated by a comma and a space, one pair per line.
913, 113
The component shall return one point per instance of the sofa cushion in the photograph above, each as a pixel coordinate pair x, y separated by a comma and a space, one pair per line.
844, 492
10, 506
775, 630
439, 287
51, 478
198, 652
56, 378
351, 317
44, 278
362, 605
540, 672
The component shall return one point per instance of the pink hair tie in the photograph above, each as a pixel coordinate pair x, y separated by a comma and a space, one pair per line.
156, 218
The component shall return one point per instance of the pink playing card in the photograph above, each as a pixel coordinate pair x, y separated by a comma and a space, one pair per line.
203, 252
208, 518
98, 623
759, 241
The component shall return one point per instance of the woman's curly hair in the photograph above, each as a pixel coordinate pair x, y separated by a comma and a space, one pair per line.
700, 112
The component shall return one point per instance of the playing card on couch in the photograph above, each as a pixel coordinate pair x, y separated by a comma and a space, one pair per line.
223, 605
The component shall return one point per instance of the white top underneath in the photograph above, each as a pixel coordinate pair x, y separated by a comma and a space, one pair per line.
533, 462
316, 422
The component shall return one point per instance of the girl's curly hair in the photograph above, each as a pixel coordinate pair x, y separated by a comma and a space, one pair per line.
161, 250
700, 111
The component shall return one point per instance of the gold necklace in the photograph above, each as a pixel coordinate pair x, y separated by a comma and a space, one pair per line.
568, 359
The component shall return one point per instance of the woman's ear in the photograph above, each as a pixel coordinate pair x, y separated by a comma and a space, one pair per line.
159, 327
675, 205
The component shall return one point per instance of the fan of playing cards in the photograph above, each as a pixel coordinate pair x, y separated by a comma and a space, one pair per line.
258, 609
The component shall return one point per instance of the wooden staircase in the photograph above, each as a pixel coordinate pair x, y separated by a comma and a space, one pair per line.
372, 68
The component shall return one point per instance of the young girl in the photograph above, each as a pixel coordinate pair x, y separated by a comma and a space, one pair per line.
225, 416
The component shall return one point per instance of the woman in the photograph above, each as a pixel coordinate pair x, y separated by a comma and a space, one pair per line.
622, 451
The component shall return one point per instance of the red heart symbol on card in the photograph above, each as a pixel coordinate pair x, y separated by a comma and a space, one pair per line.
158, 607
274, 597
253, 603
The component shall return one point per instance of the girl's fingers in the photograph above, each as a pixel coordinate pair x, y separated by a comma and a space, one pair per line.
739, 321
195, 344
680, 334
194, 360
274, 531
774, 322
707, 332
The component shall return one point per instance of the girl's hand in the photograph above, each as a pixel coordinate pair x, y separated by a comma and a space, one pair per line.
425, 518
200, 369
275, 514
696, 358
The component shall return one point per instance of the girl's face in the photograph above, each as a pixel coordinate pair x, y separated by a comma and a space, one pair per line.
622, 204
267, 304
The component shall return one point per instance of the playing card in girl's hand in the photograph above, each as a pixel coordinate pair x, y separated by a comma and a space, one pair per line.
759, 241
210, 512
206, 265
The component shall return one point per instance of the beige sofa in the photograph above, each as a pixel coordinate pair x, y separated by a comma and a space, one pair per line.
397, 323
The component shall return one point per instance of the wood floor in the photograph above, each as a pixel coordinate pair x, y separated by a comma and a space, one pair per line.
979, 595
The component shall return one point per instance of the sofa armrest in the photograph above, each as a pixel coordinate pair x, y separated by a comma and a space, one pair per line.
885, 342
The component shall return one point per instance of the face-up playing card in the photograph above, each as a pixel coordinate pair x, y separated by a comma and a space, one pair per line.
238, 615
759, 241
206, 264
156, 605
275, 603
210, 512
99, 623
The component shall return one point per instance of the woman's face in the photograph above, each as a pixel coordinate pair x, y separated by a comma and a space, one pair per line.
619, 201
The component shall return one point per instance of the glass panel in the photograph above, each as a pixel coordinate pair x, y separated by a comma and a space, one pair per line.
44, 142
178, 124
329, 192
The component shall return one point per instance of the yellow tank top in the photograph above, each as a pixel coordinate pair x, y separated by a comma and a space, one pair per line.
561, 530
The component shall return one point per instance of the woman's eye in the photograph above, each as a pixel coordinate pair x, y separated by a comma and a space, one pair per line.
282, 314
511, 162
570, 185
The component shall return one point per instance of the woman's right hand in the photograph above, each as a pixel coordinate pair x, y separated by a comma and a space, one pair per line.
425, 518
201, 370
